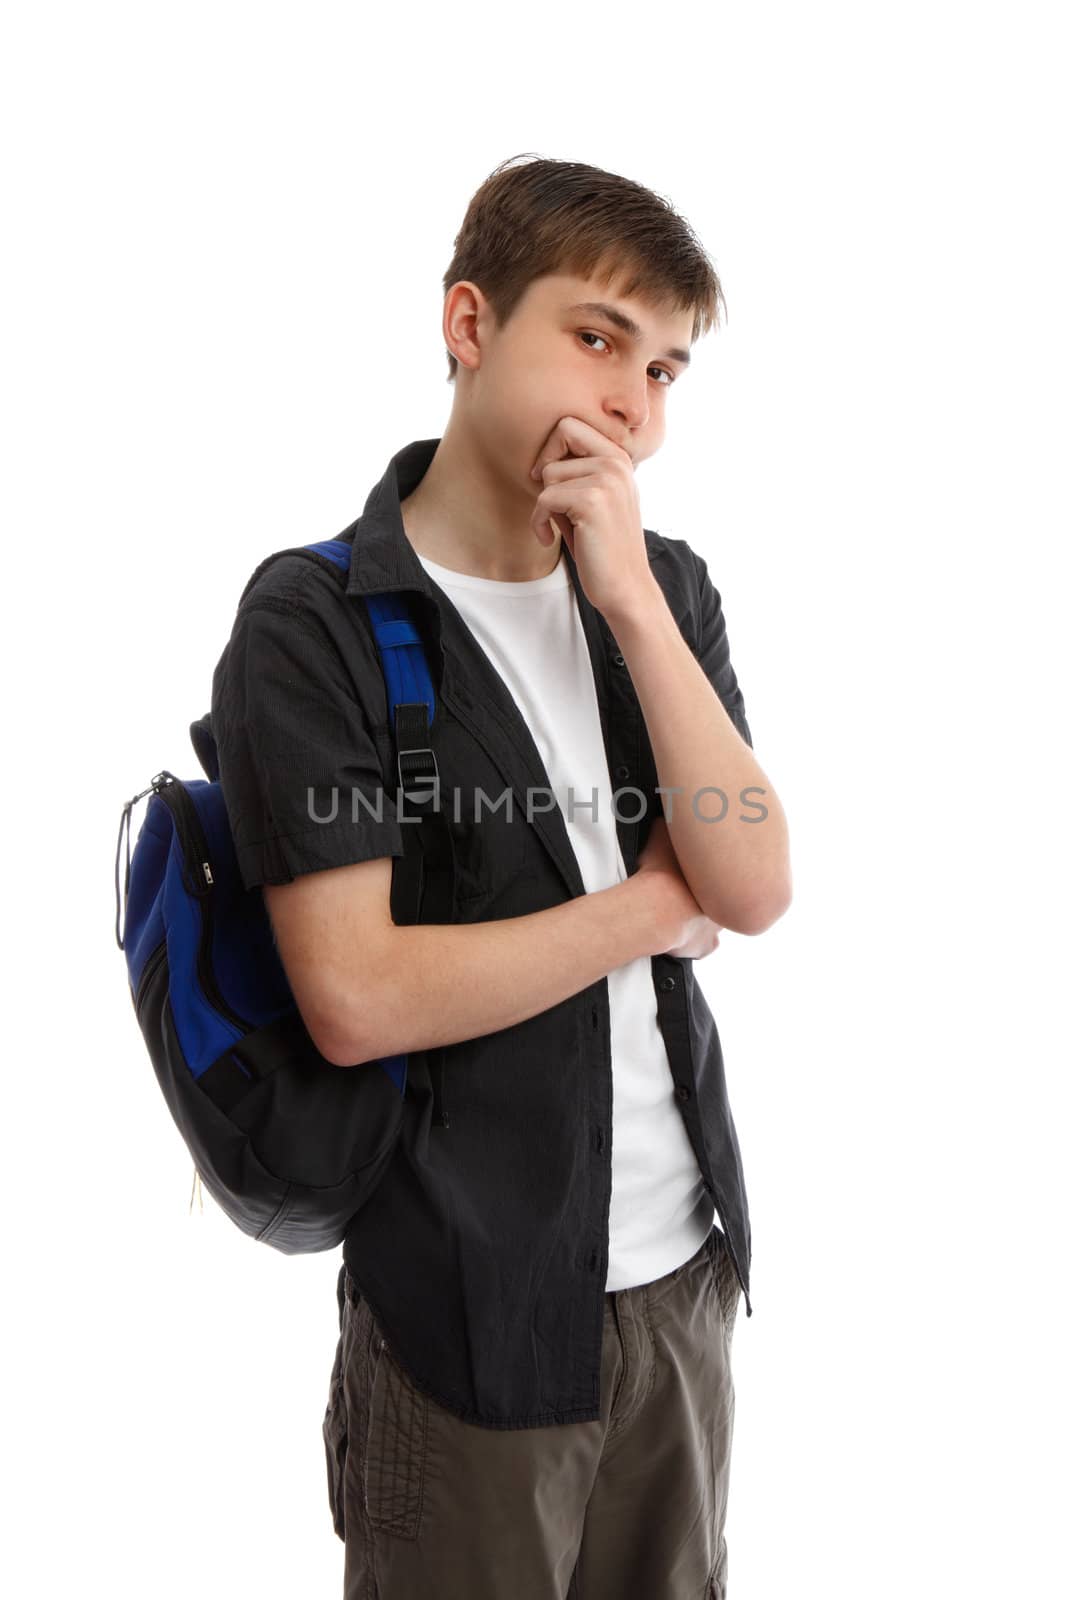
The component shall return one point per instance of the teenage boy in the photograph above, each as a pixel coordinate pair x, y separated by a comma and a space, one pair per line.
532, 1395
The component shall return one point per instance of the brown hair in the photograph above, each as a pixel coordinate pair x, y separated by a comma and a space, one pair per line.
563, 216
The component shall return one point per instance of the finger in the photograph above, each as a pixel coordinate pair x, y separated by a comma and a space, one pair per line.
553, 525
552, 450
565, 468
554, 501
568, 438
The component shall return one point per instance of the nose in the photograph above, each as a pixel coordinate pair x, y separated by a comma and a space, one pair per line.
632, 409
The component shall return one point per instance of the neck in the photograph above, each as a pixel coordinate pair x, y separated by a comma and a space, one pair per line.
466, 514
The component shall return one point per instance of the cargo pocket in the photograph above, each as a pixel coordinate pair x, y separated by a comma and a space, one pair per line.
335, 1422
396, 1447
335, 1434
726, 1282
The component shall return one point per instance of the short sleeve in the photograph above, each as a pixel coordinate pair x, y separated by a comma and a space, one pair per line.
300, 773
714, 651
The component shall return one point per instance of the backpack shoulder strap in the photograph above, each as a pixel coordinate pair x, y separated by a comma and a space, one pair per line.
409, 686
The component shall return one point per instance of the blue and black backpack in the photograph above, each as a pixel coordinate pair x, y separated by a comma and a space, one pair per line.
290, 1145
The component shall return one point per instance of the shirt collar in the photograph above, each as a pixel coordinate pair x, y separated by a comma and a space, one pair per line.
382, 555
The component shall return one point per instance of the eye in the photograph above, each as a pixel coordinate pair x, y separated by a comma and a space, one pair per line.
587, 333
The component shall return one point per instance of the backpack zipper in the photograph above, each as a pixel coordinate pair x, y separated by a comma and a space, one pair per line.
149, 967
195, 853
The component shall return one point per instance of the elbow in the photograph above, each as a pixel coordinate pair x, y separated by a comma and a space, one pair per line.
343, 1038
340, 1051
759, 920
360, 1023
330, 1040
755, 914
759, 915
351, 1046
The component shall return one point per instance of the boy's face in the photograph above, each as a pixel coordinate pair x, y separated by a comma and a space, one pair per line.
551, 360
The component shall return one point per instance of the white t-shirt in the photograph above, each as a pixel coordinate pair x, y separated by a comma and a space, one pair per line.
660, 1211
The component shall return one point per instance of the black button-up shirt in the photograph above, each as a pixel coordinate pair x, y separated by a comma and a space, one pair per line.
483, 1252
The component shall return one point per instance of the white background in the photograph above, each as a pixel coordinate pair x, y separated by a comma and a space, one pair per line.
226, 230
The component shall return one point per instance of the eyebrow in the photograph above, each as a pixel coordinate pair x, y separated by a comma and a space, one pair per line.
600, 308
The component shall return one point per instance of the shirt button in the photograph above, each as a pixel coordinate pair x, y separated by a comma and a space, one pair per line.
683, 1092
666, 984
622, 772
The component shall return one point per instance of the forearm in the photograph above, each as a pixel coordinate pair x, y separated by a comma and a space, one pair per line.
440, 983
732, 847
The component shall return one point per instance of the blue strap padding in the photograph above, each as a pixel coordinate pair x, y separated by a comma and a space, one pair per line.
335, 550
407, 672
407, 675
399, 631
